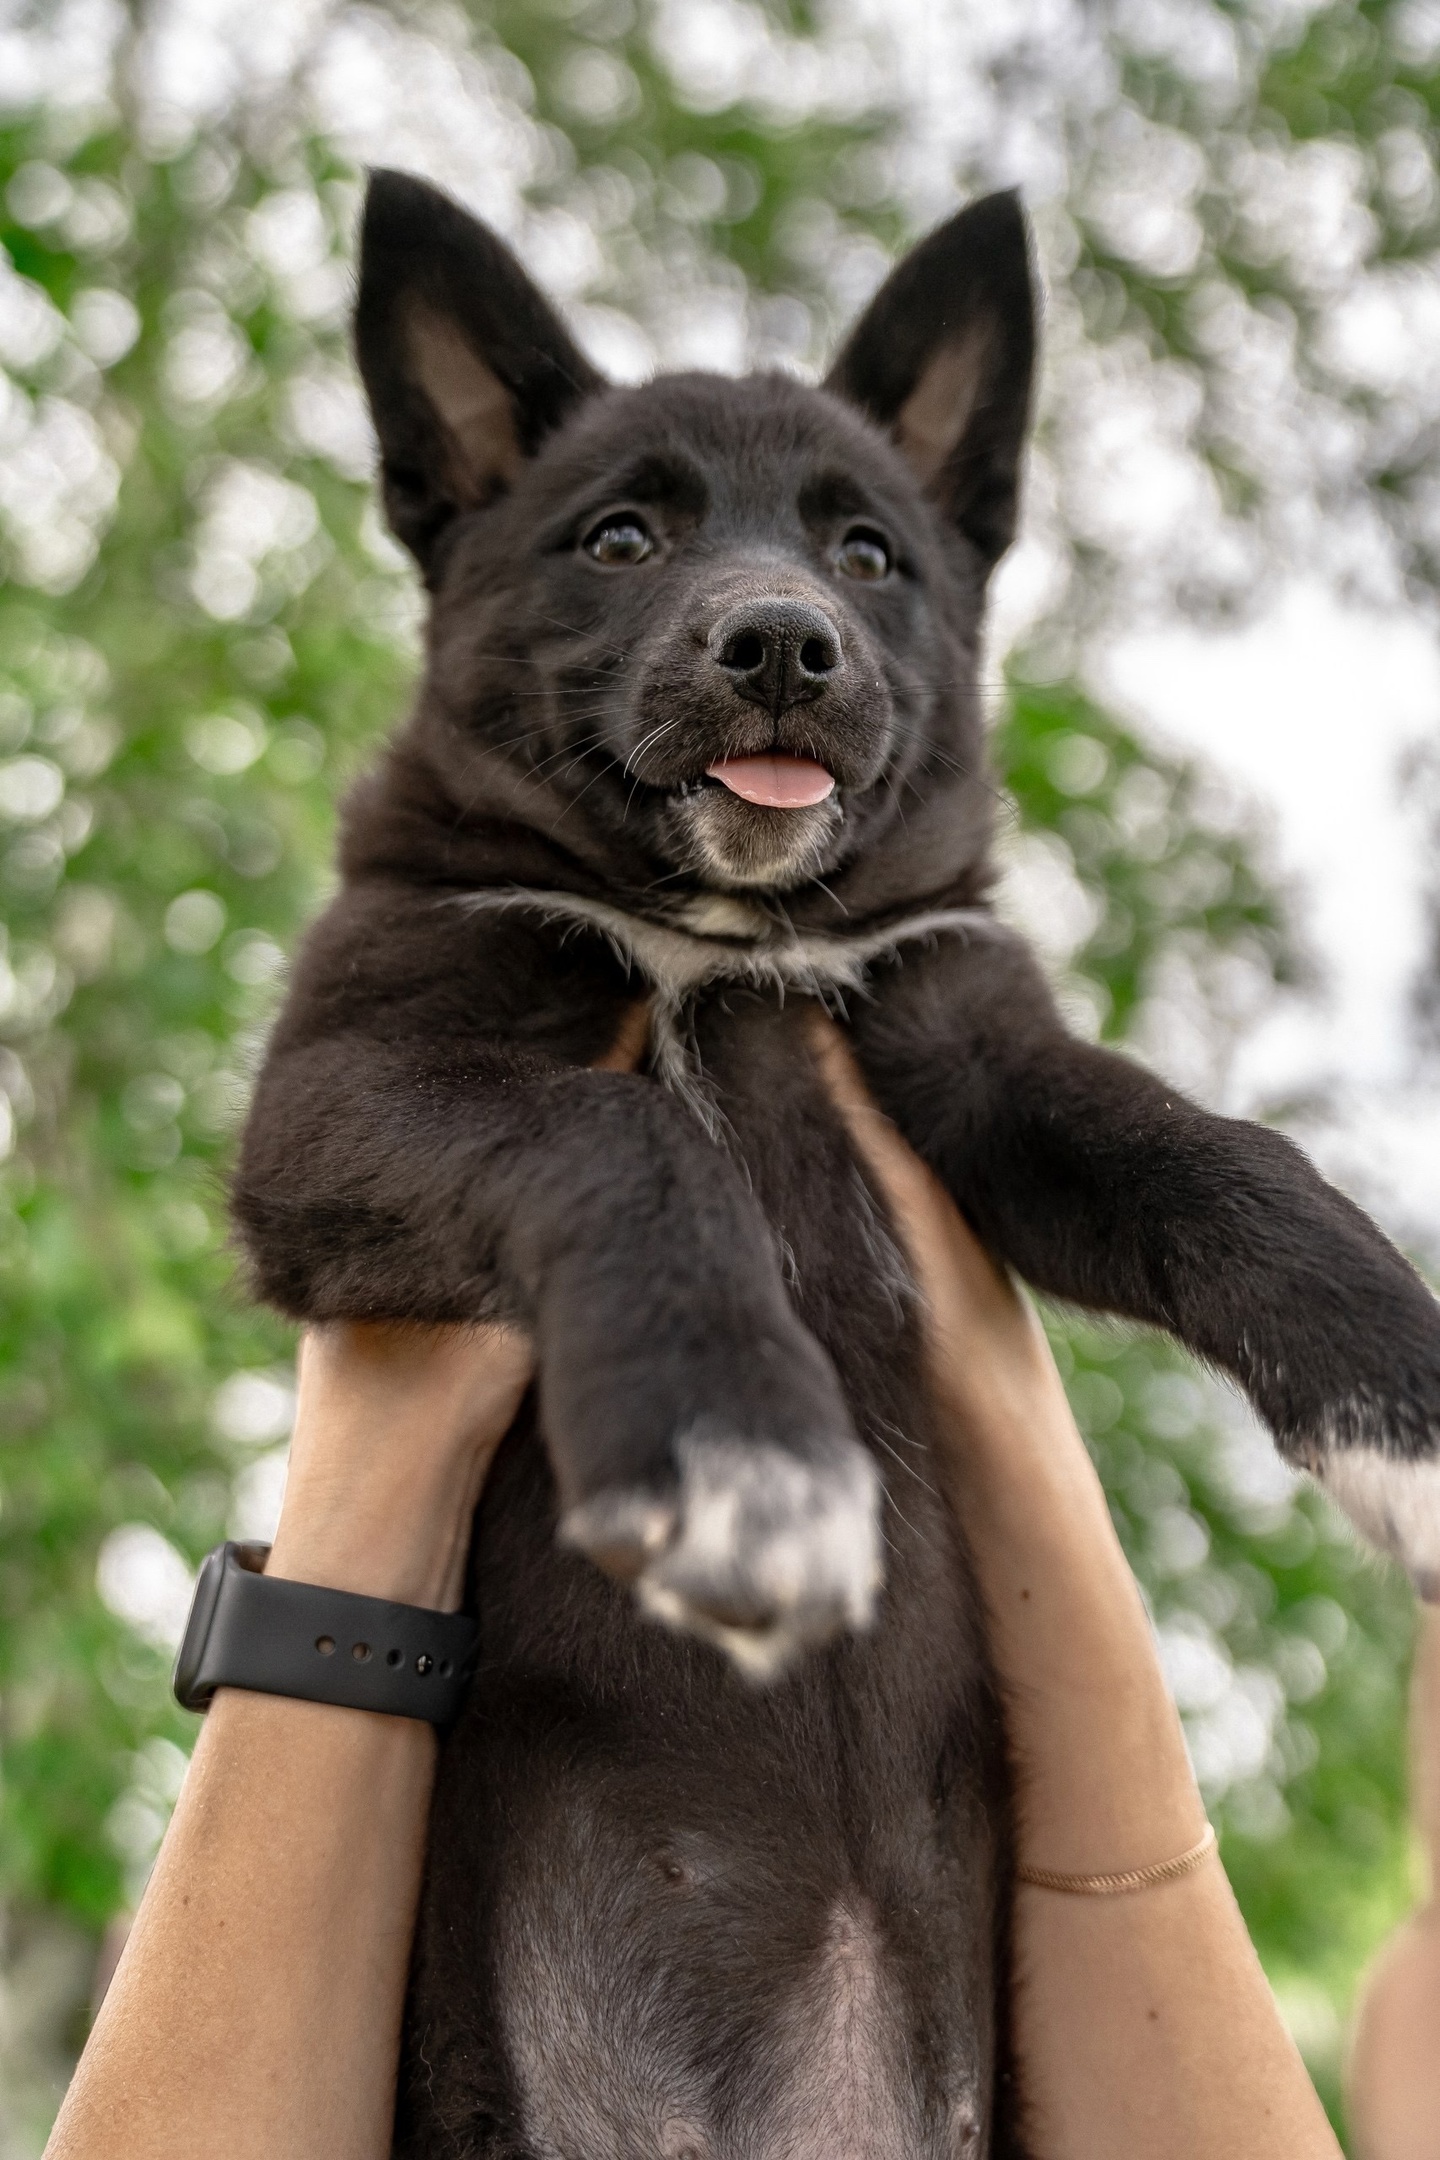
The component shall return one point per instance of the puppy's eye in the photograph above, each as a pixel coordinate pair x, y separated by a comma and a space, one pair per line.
619, 540
863, 554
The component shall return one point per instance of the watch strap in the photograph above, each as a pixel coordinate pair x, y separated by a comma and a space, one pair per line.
276, 1637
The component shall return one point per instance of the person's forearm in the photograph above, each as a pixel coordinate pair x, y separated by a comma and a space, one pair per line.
1143, 2020
1103, 1762
1393, 2080
256, 2010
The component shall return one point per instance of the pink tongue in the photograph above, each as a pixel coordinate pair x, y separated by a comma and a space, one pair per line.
780, 783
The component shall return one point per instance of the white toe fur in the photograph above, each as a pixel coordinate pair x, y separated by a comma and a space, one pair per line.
1394, 1502
620, 1529
770, 1554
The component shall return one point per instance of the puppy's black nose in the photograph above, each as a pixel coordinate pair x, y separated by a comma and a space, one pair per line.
777, 652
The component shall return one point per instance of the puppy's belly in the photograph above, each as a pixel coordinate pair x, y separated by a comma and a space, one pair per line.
752, 2027
847, 2086
844, 2087
839, 2083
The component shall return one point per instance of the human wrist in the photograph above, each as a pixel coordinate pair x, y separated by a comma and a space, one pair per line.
1096, 1739
379, 1504
388, 1541
394, 1434
1103, 1773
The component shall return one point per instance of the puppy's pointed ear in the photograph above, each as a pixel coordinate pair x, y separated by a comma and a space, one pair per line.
466, 365
943, 357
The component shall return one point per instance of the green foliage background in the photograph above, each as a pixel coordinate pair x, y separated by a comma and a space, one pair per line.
184, 691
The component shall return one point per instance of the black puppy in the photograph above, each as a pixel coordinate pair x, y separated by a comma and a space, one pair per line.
699, 743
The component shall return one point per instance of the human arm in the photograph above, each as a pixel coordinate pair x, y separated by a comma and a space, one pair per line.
1393, 2086
256, 2009
1143, 2023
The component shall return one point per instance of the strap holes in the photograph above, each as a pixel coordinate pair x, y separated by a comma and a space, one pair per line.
394, 1658
446, 1668
325, 1644
360, 1651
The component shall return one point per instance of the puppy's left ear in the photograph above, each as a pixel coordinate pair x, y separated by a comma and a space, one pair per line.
943, 358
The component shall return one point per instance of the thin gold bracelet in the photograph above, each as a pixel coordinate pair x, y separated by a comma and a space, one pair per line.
1143, 1878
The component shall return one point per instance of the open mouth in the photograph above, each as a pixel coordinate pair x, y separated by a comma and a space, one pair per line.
775, 782
770, 821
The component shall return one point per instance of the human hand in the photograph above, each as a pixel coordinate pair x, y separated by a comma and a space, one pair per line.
1005, 1416
396, 1428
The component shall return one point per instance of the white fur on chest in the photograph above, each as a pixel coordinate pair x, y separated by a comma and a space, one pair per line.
718, 938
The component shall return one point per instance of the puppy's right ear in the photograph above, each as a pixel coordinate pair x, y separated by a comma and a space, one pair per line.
466, 365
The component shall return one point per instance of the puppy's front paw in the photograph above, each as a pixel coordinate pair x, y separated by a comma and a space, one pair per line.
1374, 1444
756, 1550
1394, 1501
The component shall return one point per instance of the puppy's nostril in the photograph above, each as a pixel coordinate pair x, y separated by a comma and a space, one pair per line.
817, 658
744, 653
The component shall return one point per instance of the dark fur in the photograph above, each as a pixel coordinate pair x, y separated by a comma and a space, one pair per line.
667, 1912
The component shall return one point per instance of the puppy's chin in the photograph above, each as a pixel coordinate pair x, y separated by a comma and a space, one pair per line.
743, 847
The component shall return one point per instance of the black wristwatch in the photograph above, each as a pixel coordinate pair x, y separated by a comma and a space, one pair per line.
251, 1630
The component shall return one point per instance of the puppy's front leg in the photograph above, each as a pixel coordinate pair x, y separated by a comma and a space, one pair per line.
700, 1442
1104, 1186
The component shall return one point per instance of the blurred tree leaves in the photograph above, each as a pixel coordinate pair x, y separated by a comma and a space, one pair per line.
203, 631
166, 801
